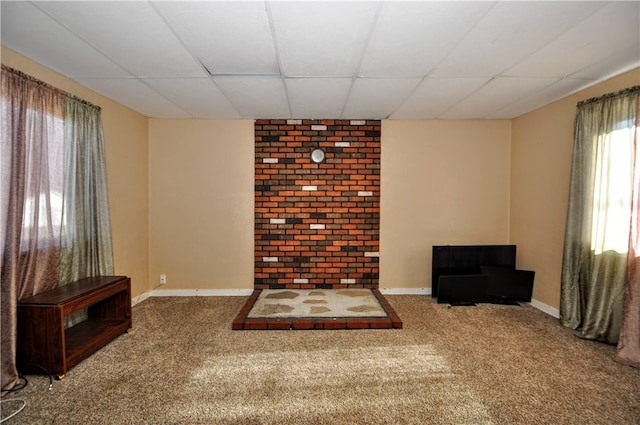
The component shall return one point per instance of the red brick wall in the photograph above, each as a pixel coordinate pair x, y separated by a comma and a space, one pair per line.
317, 225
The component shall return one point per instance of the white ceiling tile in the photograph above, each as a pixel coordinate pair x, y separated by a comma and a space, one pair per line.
615, 27
256, 97
131, 34
546, 95
510, 32
198, 96
411, 38
435, 95
136, 95
495, 95
354, 59
317, 98
227, 37
323, 39
377, 98
28, 31
607, 66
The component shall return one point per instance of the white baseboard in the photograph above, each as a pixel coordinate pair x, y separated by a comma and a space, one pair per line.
405, 291
427, 291
546, 308
246, 292
191, 293
140, 298
201, 292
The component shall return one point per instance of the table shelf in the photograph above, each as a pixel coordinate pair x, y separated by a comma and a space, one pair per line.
43, 342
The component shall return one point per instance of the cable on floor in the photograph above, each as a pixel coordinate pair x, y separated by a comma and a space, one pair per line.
46, 372
19, 409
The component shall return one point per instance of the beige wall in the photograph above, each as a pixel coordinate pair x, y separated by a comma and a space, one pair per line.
542, 145
201, 196
442, 182
181, 191
126, 135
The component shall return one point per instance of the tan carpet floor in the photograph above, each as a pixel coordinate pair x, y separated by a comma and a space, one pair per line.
490, 364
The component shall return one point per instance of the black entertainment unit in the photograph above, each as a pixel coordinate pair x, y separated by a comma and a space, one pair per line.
468, 289
508, 286
470, 274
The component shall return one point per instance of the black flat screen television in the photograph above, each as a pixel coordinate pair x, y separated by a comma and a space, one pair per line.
467, 289
467, 259
508, 286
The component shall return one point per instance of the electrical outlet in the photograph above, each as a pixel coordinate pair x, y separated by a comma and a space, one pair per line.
163, 279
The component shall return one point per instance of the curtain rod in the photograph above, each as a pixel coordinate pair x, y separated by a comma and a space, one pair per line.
48, 86
623, 92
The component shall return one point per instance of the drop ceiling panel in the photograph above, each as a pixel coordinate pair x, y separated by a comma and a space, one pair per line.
135, 95
495, 95
353, 56
256, 97
317, 98
411, 38
510, 32
325, 39
29, 31
550, 93
615, 27
377, 98
609, 65
199, 97
435, 95
132, 34
227, 37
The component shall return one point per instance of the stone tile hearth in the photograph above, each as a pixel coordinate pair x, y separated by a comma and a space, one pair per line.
290, 309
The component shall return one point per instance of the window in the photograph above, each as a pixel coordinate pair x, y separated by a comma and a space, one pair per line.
42, 214
612, 190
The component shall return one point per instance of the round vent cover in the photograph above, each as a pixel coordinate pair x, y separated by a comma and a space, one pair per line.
317, 155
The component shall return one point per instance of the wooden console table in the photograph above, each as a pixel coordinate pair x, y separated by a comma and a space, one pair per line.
43, 343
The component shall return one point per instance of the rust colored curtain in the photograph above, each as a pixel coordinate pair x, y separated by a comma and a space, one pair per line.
32, 179
629, 342
54, 218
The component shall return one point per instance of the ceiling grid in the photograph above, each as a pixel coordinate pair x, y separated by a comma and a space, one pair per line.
329, 59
